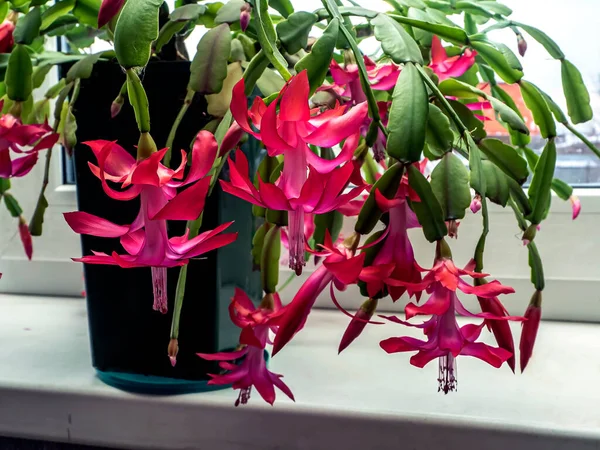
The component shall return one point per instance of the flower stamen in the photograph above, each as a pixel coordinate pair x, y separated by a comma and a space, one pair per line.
447, 374
159, 286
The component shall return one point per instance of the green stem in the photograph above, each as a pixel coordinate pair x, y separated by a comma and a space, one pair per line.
479, 250
139, 101
186, 104
583, 139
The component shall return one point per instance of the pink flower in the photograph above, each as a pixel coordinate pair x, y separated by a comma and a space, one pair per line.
249, 368
288, 132
533, 316
445, 339
576, 204
445, 67
395, 262
500, 328
7, 39
382, 78
26, 140
339, 267
145, 240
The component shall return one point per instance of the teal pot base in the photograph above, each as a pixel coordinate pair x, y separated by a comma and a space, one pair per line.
150, 384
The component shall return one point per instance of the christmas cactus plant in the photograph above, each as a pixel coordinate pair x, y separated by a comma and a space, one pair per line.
346, 134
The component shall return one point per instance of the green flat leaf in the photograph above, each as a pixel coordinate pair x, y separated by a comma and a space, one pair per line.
516, 138
395, 41
316, 63
189, 12
539, 108
258, 241
450, 184
577, 95
473, 124
68, 128
60, 26
496, 184
448, 33
477, 179
497, 61
55, 11
423, 37
19, 84
4, 7
539, 191
82, 36
509, 116
551, 47
562, 189
270, 82
332, 222
408, 116
506, 158
510, 57
269, 260
136, 30
39, 75
456, 88
37, 220
267, 35
496, 7
83, 68
12, 205
40, 112
294, 31
440, 17
166, 33
87, 12
428, 210
28, 27
537, 269
519, 197
557, 111
255, 69
413, 3
229, 12
283, 7
439, 134
208, 17
209, 67
485, 8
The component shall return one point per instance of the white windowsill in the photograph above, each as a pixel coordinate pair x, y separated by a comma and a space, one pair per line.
361, 399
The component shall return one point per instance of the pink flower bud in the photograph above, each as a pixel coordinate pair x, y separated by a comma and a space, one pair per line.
530, 328
453, 228
529, 234
115, 107
500, 328
26, 237
476, 204
358, 323
522, 44
245, 16
576, 204
172, 351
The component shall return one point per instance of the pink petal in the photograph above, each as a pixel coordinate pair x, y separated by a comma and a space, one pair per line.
46, 142
239, 108
231, 139
338, 128
488, 290
133, 242
247, 337
21, 166
26, 240
223, 356
187, 205
204, 153
385, 204
438, 53
491, 355
348, 270
272, 196
401, 344
108, 9
210, 244
269, 131
118, 161
85, 223
294, 101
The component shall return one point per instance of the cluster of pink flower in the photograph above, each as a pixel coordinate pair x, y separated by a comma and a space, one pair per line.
309, 184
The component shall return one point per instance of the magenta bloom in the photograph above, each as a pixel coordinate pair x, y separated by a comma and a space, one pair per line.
26, 239
395, 264
445, 339
247, 367
446, 67
7, 39
26, 140
339, 267
109, 9
576, 205
288, 132
145, 241
530, 329
382, 78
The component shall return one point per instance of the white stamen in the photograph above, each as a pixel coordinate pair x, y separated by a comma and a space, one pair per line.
159, 285
447, 374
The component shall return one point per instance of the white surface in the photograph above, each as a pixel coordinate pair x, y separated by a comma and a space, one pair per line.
361, 399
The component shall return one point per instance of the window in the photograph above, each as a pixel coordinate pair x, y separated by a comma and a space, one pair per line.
569, 256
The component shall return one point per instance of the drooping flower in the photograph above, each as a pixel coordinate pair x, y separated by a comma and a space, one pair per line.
25, 236
21, 139
339, 267
7, 39
288, 131
476, 204
245, 11
145, 241
576, 205
445, 339
108, 9
446, 67
247, 368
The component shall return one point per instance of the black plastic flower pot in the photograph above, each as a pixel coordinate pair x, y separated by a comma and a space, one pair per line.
129, 339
